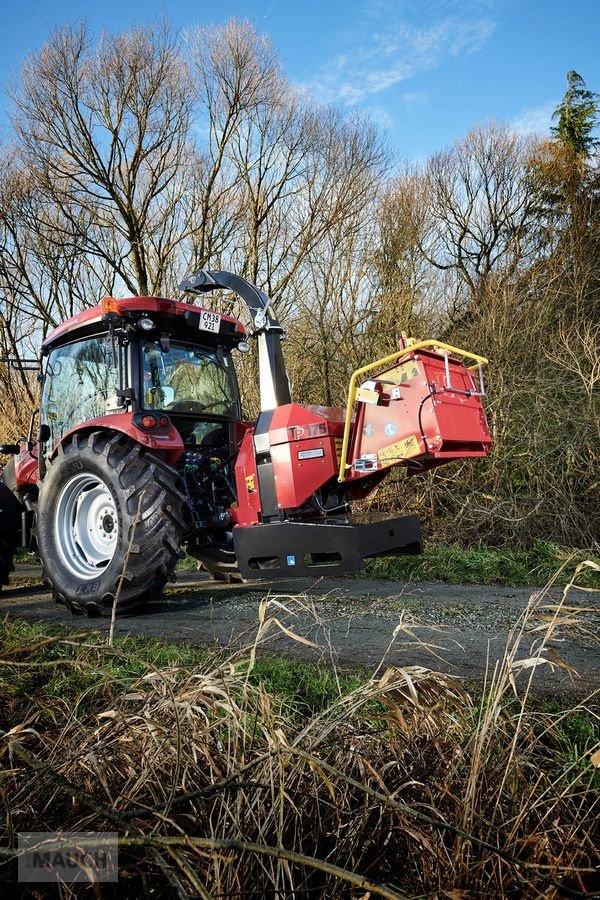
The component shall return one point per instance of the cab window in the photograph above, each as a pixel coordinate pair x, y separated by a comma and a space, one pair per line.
79, 380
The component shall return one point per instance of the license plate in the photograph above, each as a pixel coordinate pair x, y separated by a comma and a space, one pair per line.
209, 321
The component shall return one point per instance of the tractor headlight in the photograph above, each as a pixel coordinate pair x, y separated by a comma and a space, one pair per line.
145, 324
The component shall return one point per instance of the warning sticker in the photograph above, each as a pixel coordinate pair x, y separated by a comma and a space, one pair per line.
366, 396
402, 374
404, 449
250, 484
339, 442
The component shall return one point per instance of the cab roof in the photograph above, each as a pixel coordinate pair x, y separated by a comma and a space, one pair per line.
170, 313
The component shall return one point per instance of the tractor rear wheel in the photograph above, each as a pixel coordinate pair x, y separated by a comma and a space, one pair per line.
10, 521
7, 550
109, 522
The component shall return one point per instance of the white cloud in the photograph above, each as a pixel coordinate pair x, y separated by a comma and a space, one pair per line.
534, 121
386, 48
412, 100
381, 117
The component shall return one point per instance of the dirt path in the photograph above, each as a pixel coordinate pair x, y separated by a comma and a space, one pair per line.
458, 629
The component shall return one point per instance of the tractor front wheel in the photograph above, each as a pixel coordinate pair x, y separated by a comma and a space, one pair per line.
109, 521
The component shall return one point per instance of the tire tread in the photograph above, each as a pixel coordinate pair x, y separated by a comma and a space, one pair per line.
154, 543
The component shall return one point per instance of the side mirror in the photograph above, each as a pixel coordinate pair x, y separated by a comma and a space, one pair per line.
9, 449
44, 434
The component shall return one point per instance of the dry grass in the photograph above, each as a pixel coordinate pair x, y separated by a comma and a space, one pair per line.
221, 787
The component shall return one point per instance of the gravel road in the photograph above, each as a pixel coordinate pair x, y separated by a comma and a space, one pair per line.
356, 621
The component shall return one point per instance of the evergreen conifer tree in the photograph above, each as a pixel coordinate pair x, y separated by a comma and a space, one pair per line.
577, 116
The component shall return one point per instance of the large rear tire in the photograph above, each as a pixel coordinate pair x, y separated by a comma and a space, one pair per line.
106, 505
7, 550
10, 522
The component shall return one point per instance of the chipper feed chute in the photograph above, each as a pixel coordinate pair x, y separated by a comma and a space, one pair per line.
422, 409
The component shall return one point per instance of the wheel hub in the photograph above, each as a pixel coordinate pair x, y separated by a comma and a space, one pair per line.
87, 527
108, 524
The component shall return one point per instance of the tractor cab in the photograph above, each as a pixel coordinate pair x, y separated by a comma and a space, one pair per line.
161, 373
165, 366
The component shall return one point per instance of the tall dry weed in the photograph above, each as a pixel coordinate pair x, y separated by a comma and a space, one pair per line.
408, 785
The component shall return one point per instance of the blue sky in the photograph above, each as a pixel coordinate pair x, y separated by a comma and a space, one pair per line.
425, 71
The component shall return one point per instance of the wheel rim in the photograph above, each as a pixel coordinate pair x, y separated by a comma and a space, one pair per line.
87, 526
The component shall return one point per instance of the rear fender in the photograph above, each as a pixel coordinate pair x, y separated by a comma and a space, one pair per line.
25, 473
169, 445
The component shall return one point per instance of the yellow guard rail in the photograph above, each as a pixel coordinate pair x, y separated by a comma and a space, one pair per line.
387, 360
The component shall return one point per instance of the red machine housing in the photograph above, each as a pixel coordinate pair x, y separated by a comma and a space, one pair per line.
294, 468
303, 443
422, 413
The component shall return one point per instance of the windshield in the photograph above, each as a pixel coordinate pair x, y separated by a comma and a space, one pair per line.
187, 378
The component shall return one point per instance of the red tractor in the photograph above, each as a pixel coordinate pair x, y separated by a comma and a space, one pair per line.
142, 450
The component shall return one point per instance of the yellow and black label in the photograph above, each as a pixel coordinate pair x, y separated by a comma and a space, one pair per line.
365, 395
404, 449
339, 443
251, 484
401, 374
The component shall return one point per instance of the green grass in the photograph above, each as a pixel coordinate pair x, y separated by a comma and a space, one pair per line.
187, 564
25, 557
486, 565
309, 687
456, 565
81, 672
89, 667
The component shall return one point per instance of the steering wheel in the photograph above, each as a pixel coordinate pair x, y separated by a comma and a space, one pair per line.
190, 406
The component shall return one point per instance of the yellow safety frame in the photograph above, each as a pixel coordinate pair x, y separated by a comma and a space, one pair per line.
394, 357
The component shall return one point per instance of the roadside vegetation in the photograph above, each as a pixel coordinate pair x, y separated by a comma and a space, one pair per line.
453, 564
239, 771
242, 773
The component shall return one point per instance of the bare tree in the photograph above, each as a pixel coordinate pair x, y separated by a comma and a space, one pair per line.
45, 274
103, 131
480, 210
235, 73
329, 337
408, 286
278, 173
